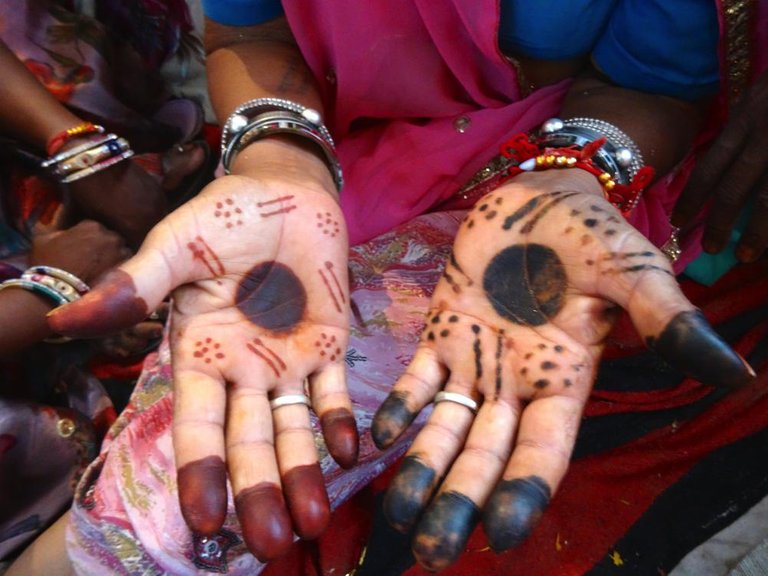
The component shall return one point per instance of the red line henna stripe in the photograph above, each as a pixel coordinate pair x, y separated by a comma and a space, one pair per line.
212, 254
275, 201
330, 291
281, 211
329, 267
273, 360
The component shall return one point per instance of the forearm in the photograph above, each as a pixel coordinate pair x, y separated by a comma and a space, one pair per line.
662, 127
254, 62
24, 320
28, 111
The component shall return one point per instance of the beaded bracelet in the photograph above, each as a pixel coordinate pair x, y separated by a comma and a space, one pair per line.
60, 139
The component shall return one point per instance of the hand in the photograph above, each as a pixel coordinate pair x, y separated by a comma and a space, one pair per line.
260, 304
125, 198
733, 172
517, 324
86, 250
135, 341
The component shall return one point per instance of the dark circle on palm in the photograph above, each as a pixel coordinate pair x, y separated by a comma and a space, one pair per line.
272, 297
526, 284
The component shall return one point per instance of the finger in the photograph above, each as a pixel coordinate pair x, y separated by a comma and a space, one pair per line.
122, 298
198, 440
447, 524
646, 287
331, 402
546, 436
300, 472
709, 172
255, 477
428, 460
754, 239
147, 330
413, 390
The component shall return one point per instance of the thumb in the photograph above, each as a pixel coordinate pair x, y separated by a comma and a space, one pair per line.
678, 331
122, 298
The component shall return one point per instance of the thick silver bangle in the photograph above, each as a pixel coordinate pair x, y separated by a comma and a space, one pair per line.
264, 117
619, 156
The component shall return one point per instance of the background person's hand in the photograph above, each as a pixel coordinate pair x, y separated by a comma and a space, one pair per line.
733, 172
517, 324
86, 250
260, 304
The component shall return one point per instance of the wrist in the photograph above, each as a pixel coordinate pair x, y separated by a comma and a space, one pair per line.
285, 158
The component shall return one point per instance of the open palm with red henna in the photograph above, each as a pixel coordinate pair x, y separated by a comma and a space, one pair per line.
259, 279
517, 324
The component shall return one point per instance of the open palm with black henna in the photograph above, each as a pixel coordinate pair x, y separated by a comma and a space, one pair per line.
258, 272
517, 323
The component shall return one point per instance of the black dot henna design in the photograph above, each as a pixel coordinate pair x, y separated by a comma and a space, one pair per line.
327, 346
271, 296
273, 360
327, 224
526, 283
331, 282
204, 253
231, 214
208, 350
280, 205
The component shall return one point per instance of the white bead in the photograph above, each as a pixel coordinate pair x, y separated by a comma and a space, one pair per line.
528, 165
237, 122
312, 115
552, 125
624, 157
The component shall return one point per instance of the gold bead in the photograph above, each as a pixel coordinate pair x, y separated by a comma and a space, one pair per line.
572, 162
604, 177
561, 161
609, 185
540, 160
550, 160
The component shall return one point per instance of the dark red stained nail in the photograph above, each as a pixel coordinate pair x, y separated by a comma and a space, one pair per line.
203, 494
341, 436
265, 522
110, 306
307, 500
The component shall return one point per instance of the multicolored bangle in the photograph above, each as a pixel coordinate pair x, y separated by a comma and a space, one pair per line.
37, 287
98, 154
60, 139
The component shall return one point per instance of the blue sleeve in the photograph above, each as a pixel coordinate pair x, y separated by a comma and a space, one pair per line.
242, 12
662, 46
551, 29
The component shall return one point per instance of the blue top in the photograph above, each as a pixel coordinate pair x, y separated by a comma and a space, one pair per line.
678, 59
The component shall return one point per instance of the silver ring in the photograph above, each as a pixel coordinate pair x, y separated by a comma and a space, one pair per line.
456, 398
289, 400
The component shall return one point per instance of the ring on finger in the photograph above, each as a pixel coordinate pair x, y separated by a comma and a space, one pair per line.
456, 398
289, 400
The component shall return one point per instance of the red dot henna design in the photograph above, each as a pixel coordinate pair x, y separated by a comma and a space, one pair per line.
327, 224
208, 350
333, 285
328, 346
231, 214
202, 251
273, 360
280, 205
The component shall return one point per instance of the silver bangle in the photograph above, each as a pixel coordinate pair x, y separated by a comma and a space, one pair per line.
97, 167
67, 154
264, 117
619, 156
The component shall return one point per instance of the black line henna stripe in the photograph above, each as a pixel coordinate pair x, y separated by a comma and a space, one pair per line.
526, 209
531, 224
478, 353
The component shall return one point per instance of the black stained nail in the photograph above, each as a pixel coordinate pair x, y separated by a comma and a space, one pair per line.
526, 284
690, 344
513, 510
408, 493
392, 417
443, 531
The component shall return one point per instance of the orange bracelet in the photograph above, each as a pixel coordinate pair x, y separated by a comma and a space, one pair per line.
57, 141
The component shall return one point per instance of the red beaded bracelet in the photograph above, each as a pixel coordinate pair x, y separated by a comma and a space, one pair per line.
526, 156
57, 141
